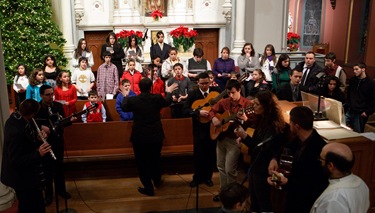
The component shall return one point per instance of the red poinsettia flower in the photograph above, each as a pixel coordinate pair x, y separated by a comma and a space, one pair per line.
183, 36
293, 40
123, 37
156, 14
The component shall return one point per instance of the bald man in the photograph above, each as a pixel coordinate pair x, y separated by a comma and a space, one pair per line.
346, 192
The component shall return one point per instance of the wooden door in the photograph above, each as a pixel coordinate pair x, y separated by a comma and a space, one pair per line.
95, 39
208, 40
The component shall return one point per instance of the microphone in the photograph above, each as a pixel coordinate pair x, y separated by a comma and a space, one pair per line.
264, 142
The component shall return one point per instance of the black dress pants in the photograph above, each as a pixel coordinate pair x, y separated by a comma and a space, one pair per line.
147, 157
30, 201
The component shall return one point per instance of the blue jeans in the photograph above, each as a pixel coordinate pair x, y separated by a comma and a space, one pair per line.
355, 121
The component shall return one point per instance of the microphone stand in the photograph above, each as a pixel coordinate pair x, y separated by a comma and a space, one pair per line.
318, 115
252, 165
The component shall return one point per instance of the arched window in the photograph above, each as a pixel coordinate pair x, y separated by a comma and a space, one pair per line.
312, 15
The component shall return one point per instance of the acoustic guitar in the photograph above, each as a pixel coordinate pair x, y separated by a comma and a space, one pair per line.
226, 119
62, 121
211, 99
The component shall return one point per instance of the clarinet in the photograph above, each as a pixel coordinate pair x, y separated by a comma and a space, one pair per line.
43, 139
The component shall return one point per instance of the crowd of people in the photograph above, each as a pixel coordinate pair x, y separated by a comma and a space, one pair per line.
249, 100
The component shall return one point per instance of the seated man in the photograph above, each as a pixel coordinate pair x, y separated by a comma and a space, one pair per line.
197, 65
346, 192
292, 91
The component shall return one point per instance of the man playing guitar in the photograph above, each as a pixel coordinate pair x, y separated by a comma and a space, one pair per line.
204, 146
226, 148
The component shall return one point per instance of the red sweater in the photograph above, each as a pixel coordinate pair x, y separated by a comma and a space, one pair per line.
69, 96
96, 114
134, 80
158, 87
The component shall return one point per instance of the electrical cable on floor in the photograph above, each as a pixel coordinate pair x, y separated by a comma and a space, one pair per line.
79, 193
191, 190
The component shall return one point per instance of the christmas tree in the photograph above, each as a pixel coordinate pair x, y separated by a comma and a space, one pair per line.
29, 34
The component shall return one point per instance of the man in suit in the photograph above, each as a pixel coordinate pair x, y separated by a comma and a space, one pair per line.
22, 158
309, 81
147, 132
292, 91
160, 49
204, 146
50, 112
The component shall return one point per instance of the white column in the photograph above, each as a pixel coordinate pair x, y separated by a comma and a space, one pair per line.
239, 39
7, 195
67, 30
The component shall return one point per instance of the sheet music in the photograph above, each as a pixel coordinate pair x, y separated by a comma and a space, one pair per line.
326, 125
369, 135
334, 134
19, 86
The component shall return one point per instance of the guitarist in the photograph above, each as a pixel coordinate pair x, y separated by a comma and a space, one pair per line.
226, 148
204, 147
49, 114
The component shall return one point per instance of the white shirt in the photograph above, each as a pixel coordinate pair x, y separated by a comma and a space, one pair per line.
23, 80
347, 194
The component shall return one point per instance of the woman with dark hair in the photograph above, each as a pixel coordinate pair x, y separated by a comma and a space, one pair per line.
117, 53
135, 52
280, 75
331, 89
268, 61
20, 83
256, 84
223, 67
248, 61
269, 126
82, 50
51, 70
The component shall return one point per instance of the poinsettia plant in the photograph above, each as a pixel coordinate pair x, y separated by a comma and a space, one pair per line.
293, 40
124, 35
156, 14
183, 36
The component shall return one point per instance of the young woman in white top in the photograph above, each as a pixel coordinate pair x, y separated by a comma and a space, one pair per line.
82, 50
268, 62
20, 83
167, 66
135, 52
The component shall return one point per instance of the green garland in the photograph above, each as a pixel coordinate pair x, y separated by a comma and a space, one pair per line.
28, 34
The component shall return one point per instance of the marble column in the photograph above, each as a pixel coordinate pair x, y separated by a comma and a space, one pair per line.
67, 30
7, 195
239, 37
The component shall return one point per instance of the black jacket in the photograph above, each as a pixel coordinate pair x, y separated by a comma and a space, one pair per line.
147, 126
21, 163
361, 95
307, 179
311, 83
284, 92
156, 51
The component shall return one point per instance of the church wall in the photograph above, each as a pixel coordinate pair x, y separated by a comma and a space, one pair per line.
370, 50
268, 24
129, 15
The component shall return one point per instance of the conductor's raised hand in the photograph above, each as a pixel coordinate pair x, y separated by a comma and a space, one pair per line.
172, 88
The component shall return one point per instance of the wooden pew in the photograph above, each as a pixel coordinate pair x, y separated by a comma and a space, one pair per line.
112, 115
111, 140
